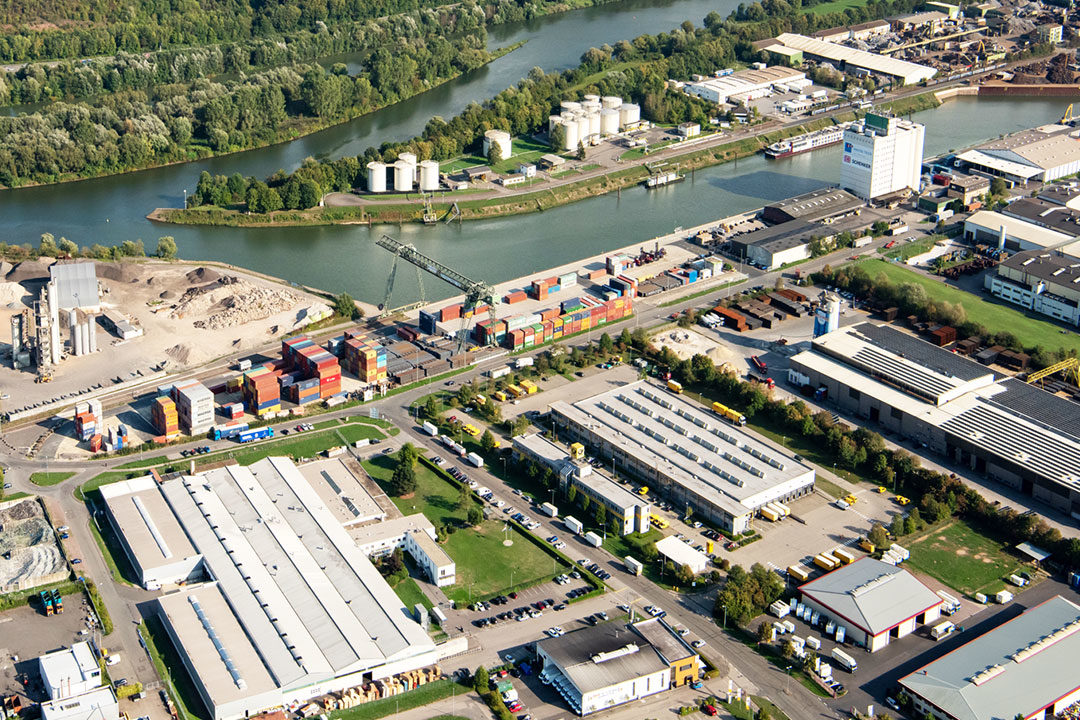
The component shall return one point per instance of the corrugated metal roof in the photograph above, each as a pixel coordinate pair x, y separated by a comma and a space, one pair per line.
75, 283
910, 72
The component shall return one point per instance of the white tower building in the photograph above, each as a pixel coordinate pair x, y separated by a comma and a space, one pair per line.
881, 155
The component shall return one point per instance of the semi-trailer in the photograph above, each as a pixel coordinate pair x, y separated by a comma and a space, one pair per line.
573, 524
430, 429
844, 660
549, 509
255, 434
827, 562
728, 414
798, 572
475, 459
228, 431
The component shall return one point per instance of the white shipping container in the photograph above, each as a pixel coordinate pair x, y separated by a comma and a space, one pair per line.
523, 362
813, 642
430, 429
780, 609
495, 373
475, 459
633, 565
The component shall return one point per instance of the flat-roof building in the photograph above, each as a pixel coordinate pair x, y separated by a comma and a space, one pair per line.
1013, 432
846, 58
828, 202
629, 509
1043, 282
1045, 153
75, 284
611, 664
749, 84
685, 452
874, 601
97, 704
986, 226
294, 608
69, 672
682, 554
881, 156
1023, 668
340, 484
415, 535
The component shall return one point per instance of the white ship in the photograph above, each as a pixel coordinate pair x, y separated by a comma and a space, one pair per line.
806, 143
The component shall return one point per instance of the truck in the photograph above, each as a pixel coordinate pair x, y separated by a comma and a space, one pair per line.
228, 431
633, 566
1003, 597
523, 362
58, 601
728, 414
573, 524
942, 629
769, 514
593, 539
673, 386
475, 459
255, 434
949, 604
549, 510
826, 562
759, 364
1018, 581
866, 545
440, 616
780, 609
243, 365
430, 429
844, 660
46, 601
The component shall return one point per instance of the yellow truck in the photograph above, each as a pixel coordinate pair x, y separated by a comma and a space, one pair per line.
844, 555
515, 391
674, 387
500, 396
866, 545
769, 514
529, 387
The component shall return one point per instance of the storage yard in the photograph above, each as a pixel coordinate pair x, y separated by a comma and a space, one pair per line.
29, 551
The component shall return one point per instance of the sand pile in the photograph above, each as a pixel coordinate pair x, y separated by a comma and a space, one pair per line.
11, 293
229, 301
121, 272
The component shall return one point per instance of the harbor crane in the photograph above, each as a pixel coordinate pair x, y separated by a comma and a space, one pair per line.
475, 292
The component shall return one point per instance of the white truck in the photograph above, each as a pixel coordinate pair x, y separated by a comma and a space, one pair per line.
549, 510
499, 372
475, 459
844, 660
1003, 597
430, 429
633, 566
1018, 581
523, 362
593, 539
573, 524
942, 629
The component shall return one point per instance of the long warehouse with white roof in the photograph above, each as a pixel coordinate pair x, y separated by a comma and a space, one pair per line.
846, 58
685, 452
293, 609
1013, 432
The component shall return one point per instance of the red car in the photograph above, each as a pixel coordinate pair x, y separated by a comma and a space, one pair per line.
890, 244
709, 710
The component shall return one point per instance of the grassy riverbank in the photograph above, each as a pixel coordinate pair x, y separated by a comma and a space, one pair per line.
518, 204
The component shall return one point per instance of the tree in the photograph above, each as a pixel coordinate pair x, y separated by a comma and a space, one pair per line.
481, 680
47, 246
878, 536
345, 306
580, 151
571, 493
431, 407
586, 503
557, 138
403, 481
166, 248
764, 632
487, 442
408, 454
601, 514
493, 154
606, 344
464, 501
999, 187
519, 426
67, 247
474, 516
898, 527
763, 713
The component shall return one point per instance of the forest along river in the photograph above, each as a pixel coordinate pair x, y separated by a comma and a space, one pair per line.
336, 258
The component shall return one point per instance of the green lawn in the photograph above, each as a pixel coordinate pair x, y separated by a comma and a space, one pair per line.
115, 558
1028, 329
352, 433
410, 593
903, 250
836, 6
49, 478
962, 558
763, 702
522, 150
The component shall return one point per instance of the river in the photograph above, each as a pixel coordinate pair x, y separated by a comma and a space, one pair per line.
111, 210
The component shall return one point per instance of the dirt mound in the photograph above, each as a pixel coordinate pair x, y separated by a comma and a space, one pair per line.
230, 301
119, 272
167, 295
5, 267
29, 270
180, 353
11, 293
22, 511
203, 275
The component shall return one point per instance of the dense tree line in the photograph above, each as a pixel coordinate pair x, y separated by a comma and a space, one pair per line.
183, 121
40, 82
524, 108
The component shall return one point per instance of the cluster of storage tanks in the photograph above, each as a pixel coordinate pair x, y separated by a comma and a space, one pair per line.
407, 174
592, 117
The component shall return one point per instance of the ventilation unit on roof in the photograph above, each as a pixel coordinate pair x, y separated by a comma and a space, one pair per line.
212, 634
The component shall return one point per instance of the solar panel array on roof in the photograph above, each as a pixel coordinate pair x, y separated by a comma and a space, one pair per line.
1039, 406
926, 384
921, 352
1036, 449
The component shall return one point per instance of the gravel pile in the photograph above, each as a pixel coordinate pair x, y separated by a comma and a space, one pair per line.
229, 301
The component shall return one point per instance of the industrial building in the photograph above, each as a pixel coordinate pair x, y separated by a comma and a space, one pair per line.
853, 60
72, 293
684, 452
1013, 233
882, 155
292, 610
611, 664
631, 510
416, 536
1023, 668
75, 685
1043, 154
1043, 282
682, 554
874, 601
1011, 431
744, 85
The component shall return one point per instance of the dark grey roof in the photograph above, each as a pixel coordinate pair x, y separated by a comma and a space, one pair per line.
969, 182
1059, 193
658, 634
999, 674
1046, 214
781, 237
1039, 406
872, 595
603, 655
921, 352
814, 205
1048, 266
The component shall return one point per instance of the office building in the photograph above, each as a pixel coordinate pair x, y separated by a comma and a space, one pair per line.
875, 602
1023, 668
415, 535
70, 672
1043, 282
881, 156
97, 704
684, 452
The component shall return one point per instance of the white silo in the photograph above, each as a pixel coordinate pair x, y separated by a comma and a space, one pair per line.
594, 123
84, 338
376, 177
611, 102
76, 339
91, 334
573, 137
501, 140
629, 113
403, 176
73, 321
553, 120
609, 121
570, 105
592, 98
429, 175
408, 157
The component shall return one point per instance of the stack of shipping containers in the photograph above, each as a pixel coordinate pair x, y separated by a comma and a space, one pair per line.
164, 417
261, 391
194, 405
88, 419
365, 358
315, 372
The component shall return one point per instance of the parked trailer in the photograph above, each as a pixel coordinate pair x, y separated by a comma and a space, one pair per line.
780, 609
58, 601
844, 660
1003, 597
256, 434
593, 539
475, 459
775, 507
942, 629
813, 642
228, 431
798, 572
950, 604
633, 566
549, 510
1018, 581
783, 508
430, 429
826, 562
899, 552
499, 372
844, 556
523, 362
573, 524
769, 514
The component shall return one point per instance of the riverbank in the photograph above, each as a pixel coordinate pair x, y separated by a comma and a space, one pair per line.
511, 204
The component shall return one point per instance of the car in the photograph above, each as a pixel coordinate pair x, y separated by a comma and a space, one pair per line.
892, 703
449, 383
698, 643
839, 689
513, 596
508, 658
697, 685
75, 561
112, 659
62, 528
576, 575
7, 486
602, 615
559, 607
709, 710
697, 524
584, 562
624, 607
682, 632
121, 682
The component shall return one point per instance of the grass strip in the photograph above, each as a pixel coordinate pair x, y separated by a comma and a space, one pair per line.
45, 479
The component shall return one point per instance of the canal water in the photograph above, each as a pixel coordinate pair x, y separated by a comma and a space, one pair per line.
111, 210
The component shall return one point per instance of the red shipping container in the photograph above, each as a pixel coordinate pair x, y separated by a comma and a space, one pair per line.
95, 443
552, 281
451, 312
331, 379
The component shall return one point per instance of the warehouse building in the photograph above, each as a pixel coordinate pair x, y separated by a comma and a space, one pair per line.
75, 685
1046, 283
682, 554
1012, 432
988, 227
853, 60
1024, 668
875, 602
293, 609
611, 664
684, 452
1044, 154
744, 84
632, 511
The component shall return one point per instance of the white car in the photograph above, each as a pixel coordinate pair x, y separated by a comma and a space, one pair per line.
698, 643
509, 510
112, 659
500, 503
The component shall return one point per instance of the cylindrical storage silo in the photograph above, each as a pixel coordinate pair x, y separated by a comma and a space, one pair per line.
376, 177
594, 123
84, 338
73, 321
501, 140
590, 105
408, 157
554, 120
611, 102
570, 105
629, 113
429, 175
91, 333
609, 121
572, 136
592, 98
403, 176
16, 339
76, 339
